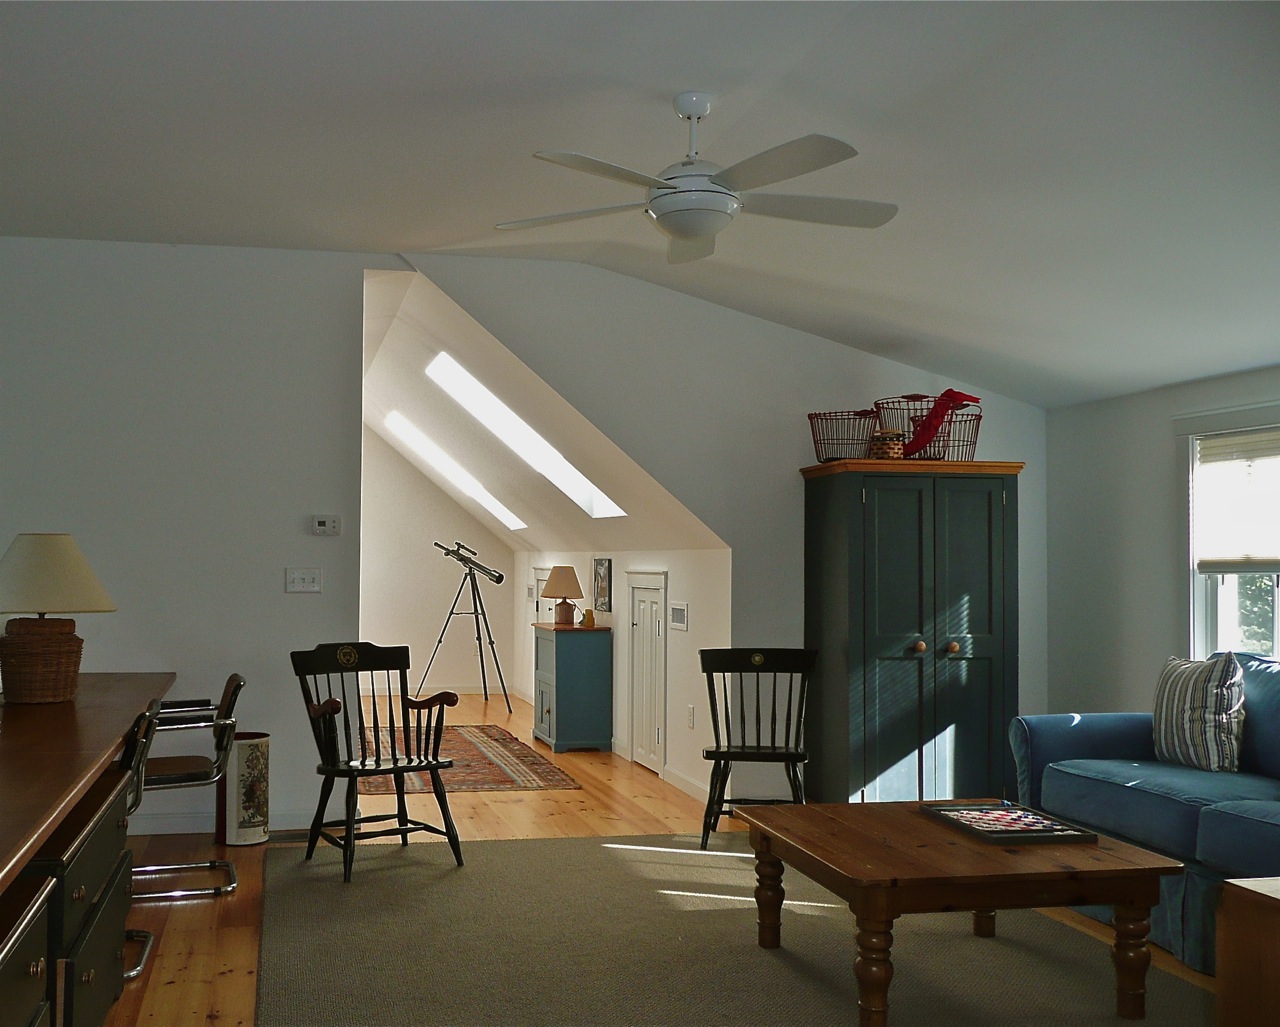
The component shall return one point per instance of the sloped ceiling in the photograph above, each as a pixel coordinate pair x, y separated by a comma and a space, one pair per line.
1088, 191
408, 322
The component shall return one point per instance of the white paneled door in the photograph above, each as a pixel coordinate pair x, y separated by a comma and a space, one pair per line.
648, 677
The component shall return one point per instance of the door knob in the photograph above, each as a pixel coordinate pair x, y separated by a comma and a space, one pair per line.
953, 647
920, 647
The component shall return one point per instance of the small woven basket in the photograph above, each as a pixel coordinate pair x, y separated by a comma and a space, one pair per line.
842, 434
40, 659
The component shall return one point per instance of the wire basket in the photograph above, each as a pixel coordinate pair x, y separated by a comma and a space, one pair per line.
842, 434
957, 435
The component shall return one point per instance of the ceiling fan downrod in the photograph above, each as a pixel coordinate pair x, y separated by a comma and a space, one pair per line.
693, 106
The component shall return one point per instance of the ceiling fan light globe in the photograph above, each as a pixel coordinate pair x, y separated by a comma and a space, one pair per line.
693, 215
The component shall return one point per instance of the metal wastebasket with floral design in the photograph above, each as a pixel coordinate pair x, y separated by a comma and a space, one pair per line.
245, 809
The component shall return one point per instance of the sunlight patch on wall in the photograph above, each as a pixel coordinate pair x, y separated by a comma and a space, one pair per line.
408, 433
512, 430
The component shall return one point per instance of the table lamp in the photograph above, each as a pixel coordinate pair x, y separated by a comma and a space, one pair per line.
562, 584
40, 656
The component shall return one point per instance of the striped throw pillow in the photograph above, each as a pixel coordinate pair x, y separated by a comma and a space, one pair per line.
1199, 712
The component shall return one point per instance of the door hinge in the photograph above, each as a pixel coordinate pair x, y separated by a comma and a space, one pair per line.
659, 736
657, 628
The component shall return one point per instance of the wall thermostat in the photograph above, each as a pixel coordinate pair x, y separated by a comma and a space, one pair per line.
326, 524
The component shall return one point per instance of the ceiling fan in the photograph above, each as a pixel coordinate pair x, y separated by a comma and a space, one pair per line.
693, 200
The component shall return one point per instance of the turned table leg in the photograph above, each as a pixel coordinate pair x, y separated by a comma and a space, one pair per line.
769, 896
874, 971
1131, 958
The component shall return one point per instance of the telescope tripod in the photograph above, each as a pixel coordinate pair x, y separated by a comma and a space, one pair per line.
478, 614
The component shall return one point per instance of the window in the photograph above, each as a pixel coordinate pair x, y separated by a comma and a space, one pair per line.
1235, 540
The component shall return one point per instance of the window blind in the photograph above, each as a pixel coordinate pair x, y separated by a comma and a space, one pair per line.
1235, 502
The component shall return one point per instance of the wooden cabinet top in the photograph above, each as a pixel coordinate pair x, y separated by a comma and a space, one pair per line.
52, 753
912, 467
569, 627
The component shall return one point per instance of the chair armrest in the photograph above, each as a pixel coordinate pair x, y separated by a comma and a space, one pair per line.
185, 704
439, 699
1040, 740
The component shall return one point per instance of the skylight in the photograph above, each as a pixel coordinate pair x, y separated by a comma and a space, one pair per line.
526, 443
408, 433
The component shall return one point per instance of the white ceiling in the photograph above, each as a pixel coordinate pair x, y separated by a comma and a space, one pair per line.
1089, 192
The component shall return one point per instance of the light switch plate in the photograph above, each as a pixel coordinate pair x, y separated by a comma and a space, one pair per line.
302, 579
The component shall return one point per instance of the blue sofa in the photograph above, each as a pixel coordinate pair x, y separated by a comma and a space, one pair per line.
1100, 770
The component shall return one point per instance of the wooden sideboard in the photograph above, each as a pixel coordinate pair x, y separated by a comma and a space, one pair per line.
61, 795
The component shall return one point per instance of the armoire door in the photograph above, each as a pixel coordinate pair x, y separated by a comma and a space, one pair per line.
933, 637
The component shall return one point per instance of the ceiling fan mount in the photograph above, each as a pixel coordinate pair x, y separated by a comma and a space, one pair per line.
693, 200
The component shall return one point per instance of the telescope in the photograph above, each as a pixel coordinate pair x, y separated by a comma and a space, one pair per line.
464, 555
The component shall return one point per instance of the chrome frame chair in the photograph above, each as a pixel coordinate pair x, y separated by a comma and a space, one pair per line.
133, 758
165, 772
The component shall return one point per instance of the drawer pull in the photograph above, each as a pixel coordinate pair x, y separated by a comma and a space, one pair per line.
36, 968
953, 647
79, 894
123, 823
920, 647
86, 978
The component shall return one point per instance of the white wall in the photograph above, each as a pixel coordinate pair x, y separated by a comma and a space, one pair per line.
182, 410
714, 405
701, 578
1118, 551
408, 586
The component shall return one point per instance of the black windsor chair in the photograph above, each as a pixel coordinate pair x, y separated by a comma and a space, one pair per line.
757, 713
366, 724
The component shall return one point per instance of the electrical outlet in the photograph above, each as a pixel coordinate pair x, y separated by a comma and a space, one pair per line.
691, 716
302, 579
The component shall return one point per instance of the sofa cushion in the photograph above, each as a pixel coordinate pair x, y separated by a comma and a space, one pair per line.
1199, 713
1155, 804
1242, 839
1260, 747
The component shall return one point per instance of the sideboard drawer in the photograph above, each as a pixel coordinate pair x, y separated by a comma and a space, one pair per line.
81, 854
24, 953
91, 978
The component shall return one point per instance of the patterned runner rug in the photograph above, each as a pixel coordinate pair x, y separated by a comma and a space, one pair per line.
486, 758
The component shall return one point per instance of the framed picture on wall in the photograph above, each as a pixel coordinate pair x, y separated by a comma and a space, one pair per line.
603, 578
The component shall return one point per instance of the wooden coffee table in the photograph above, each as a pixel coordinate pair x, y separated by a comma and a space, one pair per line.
889, 858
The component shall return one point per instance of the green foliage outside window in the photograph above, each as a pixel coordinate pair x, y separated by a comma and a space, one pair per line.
1257, 598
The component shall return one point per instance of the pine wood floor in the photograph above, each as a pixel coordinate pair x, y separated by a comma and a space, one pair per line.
204, 966
205, 961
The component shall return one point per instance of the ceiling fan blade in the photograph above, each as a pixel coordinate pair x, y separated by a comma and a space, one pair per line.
798, 157
821, 210
682, 251
595, 166
573, 215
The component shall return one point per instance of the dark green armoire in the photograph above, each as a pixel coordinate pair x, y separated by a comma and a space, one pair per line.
911, 600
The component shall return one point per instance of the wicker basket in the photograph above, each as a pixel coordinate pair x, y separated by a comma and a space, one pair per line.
842, 434
40, 659
957, 437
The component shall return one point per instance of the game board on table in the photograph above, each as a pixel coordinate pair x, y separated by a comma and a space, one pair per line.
1007, 822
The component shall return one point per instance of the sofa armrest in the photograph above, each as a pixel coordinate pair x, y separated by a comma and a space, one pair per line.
1050, 738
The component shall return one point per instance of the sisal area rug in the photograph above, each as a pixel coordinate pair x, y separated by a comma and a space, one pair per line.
625, 932
486, 758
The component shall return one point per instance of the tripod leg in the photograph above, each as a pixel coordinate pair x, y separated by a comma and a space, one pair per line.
439, 641
493, 650
477, 610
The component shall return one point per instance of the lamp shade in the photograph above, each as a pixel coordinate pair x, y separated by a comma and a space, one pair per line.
47, 573
40, 656
562, 584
